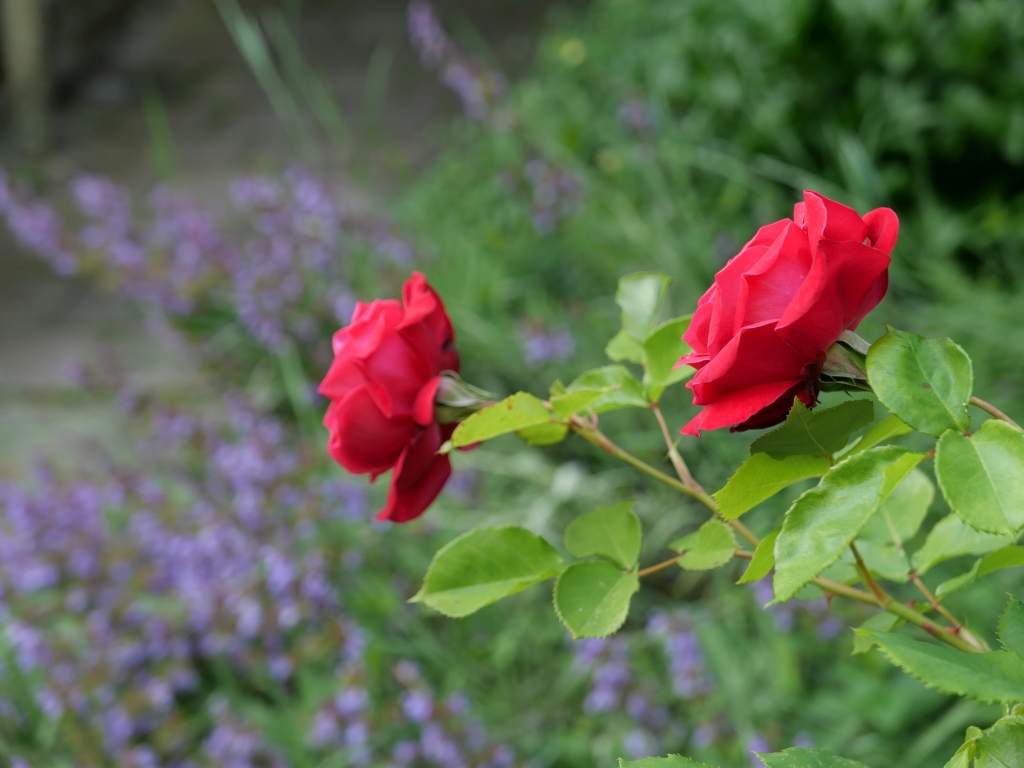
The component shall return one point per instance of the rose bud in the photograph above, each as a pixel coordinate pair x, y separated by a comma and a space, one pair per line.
761, 332
386, 370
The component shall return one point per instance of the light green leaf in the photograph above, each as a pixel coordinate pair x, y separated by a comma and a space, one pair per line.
800, 757
900, 516
592, 598
714, 545
576, 400
672, 761
518, 411
982, 476
484, 565
1007, 557
663, 348
612, 532
624, 347
761, 477
1002, 745
925, 382
1011, 627
880, 622
950, 538
964, 756
823, 521
886, 429
624, 391
763, 561
994, 677
641, 296
818, 433
544, 434
884, 559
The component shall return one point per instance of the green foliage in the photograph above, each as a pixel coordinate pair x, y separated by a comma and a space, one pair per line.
1002, 745
864, 636
576, 400
641, 297
713, 545
612, 532
951, 537
763, 560
672, 761
886, 429
592, 598
519, 411
982, 476
823, 522
799, 757
995, 676
817, 433
925, 382
484, 565
900, 516
544, 434
623, 390
663, 348
761, 476
1007, 557
1011, 627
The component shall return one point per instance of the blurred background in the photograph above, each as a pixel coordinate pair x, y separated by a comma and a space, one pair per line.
197, 192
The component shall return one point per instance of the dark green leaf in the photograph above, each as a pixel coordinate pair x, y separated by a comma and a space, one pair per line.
641, 296
544, 434
996, 676
763, 561
484, 565
886, 429
624, 390
1011, 627
714, 545
672, 761
516, 412
982, 476
592, 597
662, 349
950, 538
823, 522
761, 477
612, 532
818, 433
1007, 557
925, 382
799, 757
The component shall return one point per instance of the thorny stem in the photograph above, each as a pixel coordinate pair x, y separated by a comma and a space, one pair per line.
992, 411
958, 628
868, 579
673, 453
592, 434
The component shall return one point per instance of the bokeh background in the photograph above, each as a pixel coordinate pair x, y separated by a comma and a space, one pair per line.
197, 192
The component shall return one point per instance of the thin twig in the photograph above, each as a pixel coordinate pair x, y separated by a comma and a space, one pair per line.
673, 453
659, 567
992, 411
868, 579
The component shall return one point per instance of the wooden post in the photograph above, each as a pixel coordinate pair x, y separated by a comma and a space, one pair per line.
24, 34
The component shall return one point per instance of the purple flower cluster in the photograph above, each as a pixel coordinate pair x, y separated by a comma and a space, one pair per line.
479, 87
688, 673
785, 615
541, 345
637, 116
556, 194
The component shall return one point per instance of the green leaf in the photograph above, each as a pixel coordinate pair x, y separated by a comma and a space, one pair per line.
1007, 557
880, 622
576, 400
925, 382
1002, 744
994, 677
662, 349
484, 565
592, 598
714, 545
544, 434
800, 757
624, 391
964, 756
884, 559
516, 412
900, 516
761, 477
950, 538
612, 532
641, 296
624, 347
823, 521
886, 429
763, 561
820, 433
1011, 627
672, 761
982, 476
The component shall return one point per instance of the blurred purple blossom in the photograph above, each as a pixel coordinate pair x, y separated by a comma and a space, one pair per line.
546, 346
556, 194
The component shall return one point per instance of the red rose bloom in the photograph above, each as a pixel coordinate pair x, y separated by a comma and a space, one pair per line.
760, 333
381, 386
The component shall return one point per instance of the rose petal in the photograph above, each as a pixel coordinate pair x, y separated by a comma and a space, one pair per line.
419, 477
723, 315
739, 406
767, 290
423, 409
814, 319
362, 439
829, 220
777, 411
883, 229
697, 334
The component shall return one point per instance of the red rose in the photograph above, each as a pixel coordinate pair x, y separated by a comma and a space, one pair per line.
760, 333
381, 386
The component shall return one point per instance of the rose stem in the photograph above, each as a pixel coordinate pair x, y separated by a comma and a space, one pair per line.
673, 452
598, 438
992, 411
